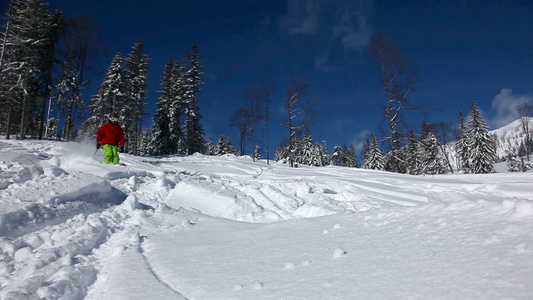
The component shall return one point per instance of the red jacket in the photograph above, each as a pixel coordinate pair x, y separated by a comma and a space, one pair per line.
110, 133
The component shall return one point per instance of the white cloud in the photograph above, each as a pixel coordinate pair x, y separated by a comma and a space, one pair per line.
505, 104
359, 139
353, 29
302, 17
342, 24
340, 124
322, 62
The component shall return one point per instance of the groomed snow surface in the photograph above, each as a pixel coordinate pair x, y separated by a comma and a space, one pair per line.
202, 227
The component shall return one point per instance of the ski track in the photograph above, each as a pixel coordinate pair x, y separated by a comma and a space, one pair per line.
70, 231
154, 273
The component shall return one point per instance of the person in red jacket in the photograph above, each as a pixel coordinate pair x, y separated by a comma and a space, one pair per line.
110, 136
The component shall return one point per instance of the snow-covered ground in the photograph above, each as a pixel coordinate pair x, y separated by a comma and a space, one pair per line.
204, 227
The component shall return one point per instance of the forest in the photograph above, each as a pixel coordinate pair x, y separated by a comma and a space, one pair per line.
43, 65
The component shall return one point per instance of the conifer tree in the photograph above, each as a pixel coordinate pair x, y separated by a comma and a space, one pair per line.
176, 106
228, 147
375, 159
482, 153
194, 131
282, 152
26, 62
145, 140
161, 139
431, 162
336, 155
210, 148
413, 155
307, 151
135, 73
461, 145
220, 147
323, 150
109, 99
365, 148
349, 156
257, 152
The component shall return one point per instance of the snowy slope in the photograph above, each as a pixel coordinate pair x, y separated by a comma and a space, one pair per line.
510, 136
202, 227
507, 137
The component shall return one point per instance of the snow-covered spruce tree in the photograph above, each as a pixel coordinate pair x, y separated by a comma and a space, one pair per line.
431, 163
176, 106
348, 156
144, 146
516, 163
412, 162
374, 159
228, 147
161, 142
323, 152
28, 44
257, 152
312, 155
461, 145
316, 156
482, 153
513, 162
135, 73
220, 147
296, 151
306, 156
193, 130
109, 99
209, 148
336, 155
282, 153
525, 113
365, 148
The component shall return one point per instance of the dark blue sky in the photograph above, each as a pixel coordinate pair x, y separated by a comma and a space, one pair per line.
467, 51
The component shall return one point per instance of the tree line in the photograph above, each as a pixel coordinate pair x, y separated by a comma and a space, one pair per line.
43, 63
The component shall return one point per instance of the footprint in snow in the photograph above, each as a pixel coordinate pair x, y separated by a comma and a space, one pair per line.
258, 285
338, 252
291, 266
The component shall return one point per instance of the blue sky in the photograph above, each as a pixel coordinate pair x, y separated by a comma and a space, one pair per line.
467, 51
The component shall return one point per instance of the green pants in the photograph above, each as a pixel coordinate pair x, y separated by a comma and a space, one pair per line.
110, 154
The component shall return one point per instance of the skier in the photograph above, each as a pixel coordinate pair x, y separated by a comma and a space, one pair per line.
111, 136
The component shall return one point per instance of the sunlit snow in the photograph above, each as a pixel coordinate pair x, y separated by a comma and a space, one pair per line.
204, 227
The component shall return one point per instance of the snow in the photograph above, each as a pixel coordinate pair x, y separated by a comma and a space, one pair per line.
204, 227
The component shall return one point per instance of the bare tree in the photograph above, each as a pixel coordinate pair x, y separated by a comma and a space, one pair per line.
240, 120
254, 97
397, 78
300, 113
267, 89
524, 113
259, 109
442, 131
79, 37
